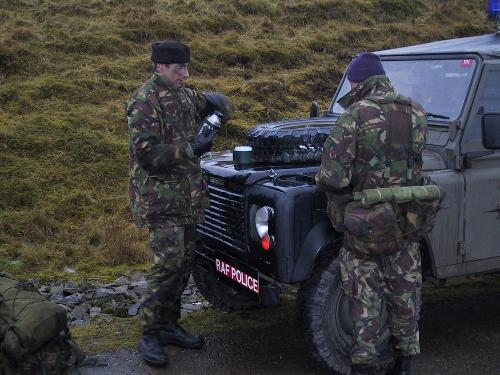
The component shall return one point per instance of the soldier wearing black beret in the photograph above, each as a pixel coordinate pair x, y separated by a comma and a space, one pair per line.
166, 188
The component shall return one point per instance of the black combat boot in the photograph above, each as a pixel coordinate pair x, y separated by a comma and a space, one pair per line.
173, 333
362, 370
152, 351
402, 366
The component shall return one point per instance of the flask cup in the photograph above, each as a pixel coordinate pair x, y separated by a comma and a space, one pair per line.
242, 156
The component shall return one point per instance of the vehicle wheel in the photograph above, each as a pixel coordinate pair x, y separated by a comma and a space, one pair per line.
289, 142
324, 313
219, 294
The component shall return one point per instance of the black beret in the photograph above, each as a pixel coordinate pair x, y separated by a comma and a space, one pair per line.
170, 52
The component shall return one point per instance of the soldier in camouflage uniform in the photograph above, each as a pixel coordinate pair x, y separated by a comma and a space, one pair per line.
166, 188
361, 154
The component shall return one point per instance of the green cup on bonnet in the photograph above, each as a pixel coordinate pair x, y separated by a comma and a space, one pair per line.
242, 156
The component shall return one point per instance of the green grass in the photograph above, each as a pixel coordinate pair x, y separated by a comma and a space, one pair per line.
68, 66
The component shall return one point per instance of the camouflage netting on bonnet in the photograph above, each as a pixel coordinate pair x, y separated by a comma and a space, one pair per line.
34, 336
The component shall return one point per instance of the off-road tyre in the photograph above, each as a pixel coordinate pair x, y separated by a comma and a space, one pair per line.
280, 143
220, 295
323, 312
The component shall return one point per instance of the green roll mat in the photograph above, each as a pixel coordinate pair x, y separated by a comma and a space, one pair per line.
400, 194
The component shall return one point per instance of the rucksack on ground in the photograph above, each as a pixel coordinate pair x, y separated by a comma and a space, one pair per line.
34, 335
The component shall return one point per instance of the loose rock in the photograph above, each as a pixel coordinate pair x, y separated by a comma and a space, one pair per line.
44, 289
122, 298
133, 310
137, 276
95, 311
70, 270
80, 313
121, 281
72, 299
56, 293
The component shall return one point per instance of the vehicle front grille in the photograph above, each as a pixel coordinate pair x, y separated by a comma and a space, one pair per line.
225, 217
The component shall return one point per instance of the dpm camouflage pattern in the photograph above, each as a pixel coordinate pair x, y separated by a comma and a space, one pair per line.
359, 155
166, 187
354, 154
173, 248
395, 279
165, 180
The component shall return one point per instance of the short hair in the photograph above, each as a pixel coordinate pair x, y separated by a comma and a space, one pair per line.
155, 66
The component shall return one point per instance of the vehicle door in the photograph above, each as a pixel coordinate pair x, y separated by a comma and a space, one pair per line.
482, 176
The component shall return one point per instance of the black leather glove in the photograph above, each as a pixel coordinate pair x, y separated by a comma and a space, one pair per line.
202, 141
220, 102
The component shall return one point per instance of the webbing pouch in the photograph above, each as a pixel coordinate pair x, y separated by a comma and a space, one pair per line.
372, 230
421, 215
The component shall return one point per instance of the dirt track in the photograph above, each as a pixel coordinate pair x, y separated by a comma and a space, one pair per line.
460, 334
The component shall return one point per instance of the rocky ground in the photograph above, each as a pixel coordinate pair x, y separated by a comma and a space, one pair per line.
121, 298
460, 331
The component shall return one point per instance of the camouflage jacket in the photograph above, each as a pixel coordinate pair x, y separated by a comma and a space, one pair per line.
354, 154
165, 180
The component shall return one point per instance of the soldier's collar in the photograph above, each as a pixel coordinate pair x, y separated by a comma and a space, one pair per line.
160, 80
362, 90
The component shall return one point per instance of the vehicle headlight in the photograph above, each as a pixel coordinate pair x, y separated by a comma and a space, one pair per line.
262, 218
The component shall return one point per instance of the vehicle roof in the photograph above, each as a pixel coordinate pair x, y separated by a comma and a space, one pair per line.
485, 45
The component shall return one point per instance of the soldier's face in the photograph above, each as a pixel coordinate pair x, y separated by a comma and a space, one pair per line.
353, 85
176, 74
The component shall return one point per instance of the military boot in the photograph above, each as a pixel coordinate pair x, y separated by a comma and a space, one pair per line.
152, 351
172, 333
362, 370
402, 366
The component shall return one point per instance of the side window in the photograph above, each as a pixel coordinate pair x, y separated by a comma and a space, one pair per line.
489, 99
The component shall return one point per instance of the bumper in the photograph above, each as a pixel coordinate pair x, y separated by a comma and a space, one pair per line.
239, 276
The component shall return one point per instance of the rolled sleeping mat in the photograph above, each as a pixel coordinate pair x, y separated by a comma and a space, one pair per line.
400, 194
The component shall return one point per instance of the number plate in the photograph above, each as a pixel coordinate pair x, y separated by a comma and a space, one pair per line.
248, 280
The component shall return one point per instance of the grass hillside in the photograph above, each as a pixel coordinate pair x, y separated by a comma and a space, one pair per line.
68, 66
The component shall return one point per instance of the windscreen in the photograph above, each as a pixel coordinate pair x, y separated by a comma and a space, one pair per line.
440, 86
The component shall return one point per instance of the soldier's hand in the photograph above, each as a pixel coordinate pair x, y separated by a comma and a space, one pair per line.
202, 142
220, 102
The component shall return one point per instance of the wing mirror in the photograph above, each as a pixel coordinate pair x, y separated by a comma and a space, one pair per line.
314, 109
491, 131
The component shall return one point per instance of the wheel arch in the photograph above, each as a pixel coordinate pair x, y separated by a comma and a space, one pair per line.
427, 256
320, 237
323, 236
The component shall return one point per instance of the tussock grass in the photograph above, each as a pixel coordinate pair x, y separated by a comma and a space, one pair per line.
119, 241
67, 68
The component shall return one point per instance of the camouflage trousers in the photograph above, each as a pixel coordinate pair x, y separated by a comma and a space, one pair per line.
173, 247
367, 282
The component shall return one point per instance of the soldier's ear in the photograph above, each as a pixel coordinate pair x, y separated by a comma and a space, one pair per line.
160, 67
